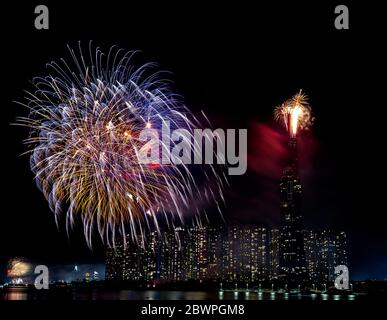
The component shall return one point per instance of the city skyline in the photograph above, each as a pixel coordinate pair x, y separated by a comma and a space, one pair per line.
242, 253
227, 254
218, 68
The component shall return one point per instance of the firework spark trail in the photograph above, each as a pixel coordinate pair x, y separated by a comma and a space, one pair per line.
295, 113
84, 120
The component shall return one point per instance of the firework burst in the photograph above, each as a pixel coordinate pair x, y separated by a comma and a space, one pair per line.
85, 118
18, 267
295, 113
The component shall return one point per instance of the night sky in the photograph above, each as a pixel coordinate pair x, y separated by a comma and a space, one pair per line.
236, 64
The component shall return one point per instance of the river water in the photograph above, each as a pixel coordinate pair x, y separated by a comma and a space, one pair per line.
104, 294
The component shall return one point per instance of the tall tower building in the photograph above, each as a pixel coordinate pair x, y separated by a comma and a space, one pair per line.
274, 248
196, 253
292, 255
259, 247
151, 265
216, 239
173, 262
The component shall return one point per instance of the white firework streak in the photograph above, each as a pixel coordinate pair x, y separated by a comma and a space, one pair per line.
84, 119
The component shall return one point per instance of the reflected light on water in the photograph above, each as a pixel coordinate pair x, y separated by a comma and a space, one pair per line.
16, 295
101, 294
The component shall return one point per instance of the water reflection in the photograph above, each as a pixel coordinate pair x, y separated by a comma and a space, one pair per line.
102, 294
16, 294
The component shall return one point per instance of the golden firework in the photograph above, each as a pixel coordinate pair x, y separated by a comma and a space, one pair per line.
295, 113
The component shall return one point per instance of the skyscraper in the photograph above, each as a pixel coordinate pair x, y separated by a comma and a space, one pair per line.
292, 255
274, 248
245, 254
173, 262
259, 239
216, 239
196, 253
325, 249
151, 262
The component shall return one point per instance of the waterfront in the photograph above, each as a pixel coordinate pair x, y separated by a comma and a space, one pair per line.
106, 294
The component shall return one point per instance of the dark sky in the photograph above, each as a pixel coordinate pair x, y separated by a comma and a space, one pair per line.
236, 63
